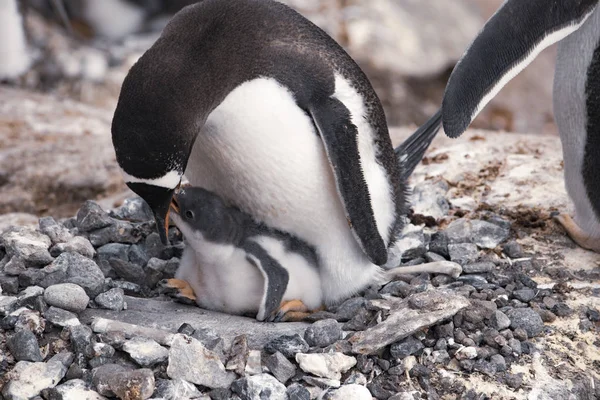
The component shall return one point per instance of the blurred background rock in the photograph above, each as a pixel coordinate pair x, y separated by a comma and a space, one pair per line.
55, 148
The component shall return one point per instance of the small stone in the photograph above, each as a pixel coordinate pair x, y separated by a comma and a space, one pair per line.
593, 315
297, 392
81, 339
119, 232
323, 333
67, 296
78, 244
527, 319
111, 300
24, 346
133, 385
525, 295
280, 367
478, 268
562, 310
191, 361
75, 389
487, 235
463, 253
520, 334
91, 217
253, 364
398, 289
7, 305
28, 296
77, 269
9, 284
351, 392
60, 317
459, 231
356, 378
128, 271
176, 389
322, 383
15, 266
546, 316
515, 346
262, 386
113, 250
155, 269
330, 366
499, 362
513, 249
514, 380
145, 352
405, 348
186, 329
102, 375
238, 355
128, 288
209, 338
440, 357
466, 353
27, 379
439, 244
28, 245
485, 367
288, 345
113, 338
412, 244
137, 255
134, 209
499, 320
57, 233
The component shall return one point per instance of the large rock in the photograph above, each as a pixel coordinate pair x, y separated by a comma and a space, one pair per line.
77, 269
28, 379
28, 245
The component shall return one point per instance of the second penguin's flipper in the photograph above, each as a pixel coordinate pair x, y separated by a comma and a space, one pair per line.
341, 142
411, 151
509, 41
276, 279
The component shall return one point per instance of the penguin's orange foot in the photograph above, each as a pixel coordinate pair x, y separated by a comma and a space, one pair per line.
178, 289
292, 311
578, 235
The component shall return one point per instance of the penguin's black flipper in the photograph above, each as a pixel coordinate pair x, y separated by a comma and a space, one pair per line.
411, 151
340, 138
509, 41
276, 279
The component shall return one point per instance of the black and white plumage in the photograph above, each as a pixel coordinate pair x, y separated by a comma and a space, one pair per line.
258, 105
510, 40
238, 266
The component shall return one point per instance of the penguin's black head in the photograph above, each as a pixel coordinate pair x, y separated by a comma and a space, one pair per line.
159, 199
198, 211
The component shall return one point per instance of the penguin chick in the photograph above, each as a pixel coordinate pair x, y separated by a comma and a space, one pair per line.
237, 266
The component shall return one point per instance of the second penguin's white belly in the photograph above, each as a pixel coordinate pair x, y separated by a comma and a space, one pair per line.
260, 151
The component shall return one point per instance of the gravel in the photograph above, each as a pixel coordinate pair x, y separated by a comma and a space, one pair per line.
483, 322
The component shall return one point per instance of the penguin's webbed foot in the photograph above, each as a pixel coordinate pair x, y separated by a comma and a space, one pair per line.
578, 235
291, 311
178, 289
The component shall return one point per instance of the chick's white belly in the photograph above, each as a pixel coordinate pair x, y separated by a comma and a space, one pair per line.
261, 152
234, 287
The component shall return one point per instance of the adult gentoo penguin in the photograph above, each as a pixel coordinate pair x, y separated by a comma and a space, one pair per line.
258, 105
510, 40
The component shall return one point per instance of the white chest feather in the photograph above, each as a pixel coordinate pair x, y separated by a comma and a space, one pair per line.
260, 151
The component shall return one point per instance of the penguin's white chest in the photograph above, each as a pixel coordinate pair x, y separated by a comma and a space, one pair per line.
261, 152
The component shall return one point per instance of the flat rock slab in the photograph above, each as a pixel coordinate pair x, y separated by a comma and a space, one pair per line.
407, 316
169, 316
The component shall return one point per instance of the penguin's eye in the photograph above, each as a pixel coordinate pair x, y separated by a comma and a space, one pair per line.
189, 214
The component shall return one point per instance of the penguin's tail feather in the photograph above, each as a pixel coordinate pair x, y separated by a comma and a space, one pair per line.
410, 153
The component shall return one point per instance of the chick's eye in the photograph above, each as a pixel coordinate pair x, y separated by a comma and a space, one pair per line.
189, 214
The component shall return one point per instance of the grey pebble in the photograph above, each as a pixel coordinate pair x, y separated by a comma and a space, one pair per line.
297, 392
280, 367
406, 347
478, 268
91, 217
67, 296
176, 389
513, 249
77, 269
28, 245
78, 244
81, 339
527, 319
398, 289
23, 345
525, 295
463, 253
323, 333
137, 384
145, 352
134, 209
288, 345
57, 233
488, 235
128, 271
60, 317
262, 386
112, 299
499, 320
113, 250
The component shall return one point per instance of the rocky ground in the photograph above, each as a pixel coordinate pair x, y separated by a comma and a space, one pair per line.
82, 315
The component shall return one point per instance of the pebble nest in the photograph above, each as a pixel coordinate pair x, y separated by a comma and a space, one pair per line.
405, 340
